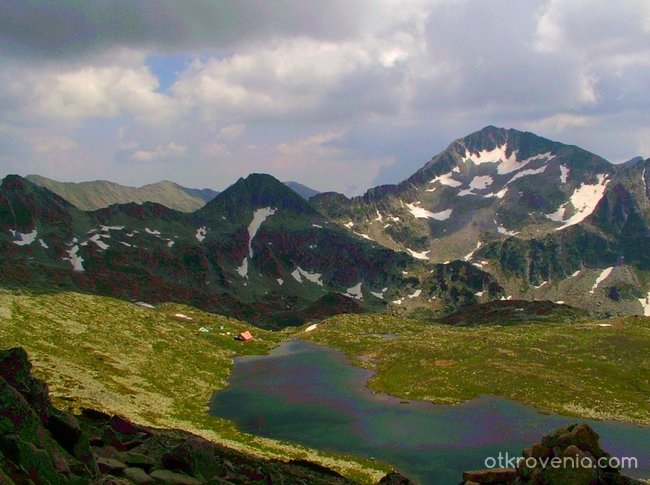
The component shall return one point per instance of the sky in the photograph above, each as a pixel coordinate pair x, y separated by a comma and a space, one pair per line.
339, 95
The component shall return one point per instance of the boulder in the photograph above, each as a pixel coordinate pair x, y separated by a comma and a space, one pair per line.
491, 475
111, 480
64, 429
578, 448
109, 465
18, 417
194, 456
124, 426
139, 460
16, 369
394, 478
167, 476
35, 461
580, 435
137, 475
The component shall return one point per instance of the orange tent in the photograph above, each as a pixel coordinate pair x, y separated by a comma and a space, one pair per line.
245, 336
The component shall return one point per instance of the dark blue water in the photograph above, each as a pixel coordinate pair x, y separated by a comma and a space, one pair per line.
311, 395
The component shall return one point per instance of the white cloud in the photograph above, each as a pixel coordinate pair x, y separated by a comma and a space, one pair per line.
161, 152
232, 131
316, 158
73, 92
330, 96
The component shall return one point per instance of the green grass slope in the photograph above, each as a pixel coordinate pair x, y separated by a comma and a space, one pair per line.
146, 364
594, 369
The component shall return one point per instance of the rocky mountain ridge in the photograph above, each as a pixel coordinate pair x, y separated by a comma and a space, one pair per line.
546, 219
258, 251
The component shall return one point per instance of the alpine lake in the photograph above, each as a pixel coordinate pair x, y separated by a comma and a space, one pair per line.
312, 395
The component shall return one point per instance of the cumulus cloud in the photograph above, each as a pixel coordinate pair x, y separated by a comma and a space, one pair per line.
339, 94
232, 131
161, 152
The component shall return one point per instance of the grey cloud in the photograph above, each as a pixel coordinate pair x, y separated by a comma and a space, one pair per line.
69, 28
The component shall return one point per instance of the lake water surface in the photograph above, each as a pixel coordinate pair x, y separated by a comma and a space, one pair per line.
310, 394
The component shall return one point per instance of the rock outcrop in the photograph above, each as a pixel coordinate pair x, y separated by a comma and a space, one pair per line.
40, 444
568, 456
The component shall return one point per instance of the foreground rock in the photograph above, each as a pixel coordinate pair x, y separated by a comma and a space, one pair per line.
42, 445
568, 456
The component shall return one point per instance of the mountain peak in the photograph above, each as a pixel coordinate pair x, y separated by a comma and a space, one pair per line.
255, 191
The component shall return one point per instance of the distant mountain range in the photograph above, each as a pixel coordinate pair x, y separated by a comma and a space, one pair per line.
98, 194
102, 193
499, 214
302, 190
257, 251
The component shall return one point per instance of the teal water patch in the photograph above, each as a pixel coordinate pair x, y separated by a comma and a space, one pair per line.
310, 394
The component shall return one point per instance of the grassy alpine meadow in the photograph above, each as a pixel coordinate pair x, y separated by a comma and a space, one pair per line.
158, 367
595, 369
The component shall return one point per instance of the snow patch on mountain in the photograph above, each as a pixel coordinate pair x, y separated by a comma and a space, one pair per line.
506, 164
471, 254
24, 239
496, 155
201, 232
418, 255
420, 213
43, 244
259, 216
584, 201
355, 292
645, 302
564, 173
100, 244
445, 179
558, 215
75, 259
602, 277
506, 232
153, 232
415, 294
379, 294
243, 269
526, 173
480, 182
299, 273
509, 167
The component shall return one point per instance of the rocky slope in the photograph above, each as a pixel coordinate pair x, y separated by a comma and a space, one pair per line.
258, 251
43, 445
531, 211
